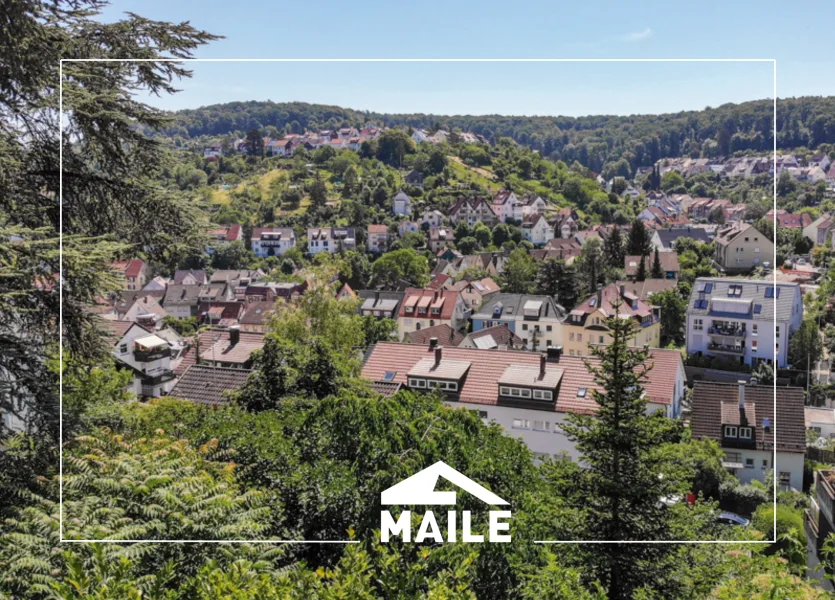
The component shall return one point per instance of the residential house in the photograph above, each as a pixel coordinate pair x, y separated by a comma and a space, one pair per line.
181, 301
536, 230
420, 136
472, 211
734, 319
820, 229
434, 218
668, 260
440, 238
190, 277
565, 223
378, 238
537, 320
415, 178
586, 323
134, 273
820, 160
529, 394
474, 293
439, 334
220, 313
380, 304
256, 316
423, 308
741, 419
212, 151
560, 248
223, 236
147, 355
222, 291
227, 347
140, 307
821, 421
491, 262
504, 205
330, 239
498, 337
405, 227
740, 248
272, 241
402, 204
646, 288
789, 220
346, 292
665, 239
530, 204
204, 384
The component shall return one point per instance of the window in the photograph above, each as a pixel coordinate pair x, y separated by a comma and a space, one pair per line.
542, 425
571, 337
764, 466
521, 424
769, 292
548, 328
730, 431
571, 352
542, 395
601, 339
389, 376
579, 337
777, 331
417, 383
482, 414
745, 433
785, 479
525, 327
749, 463
581, 392
504, 391
123, 348
698, 325
754, 327
753, 345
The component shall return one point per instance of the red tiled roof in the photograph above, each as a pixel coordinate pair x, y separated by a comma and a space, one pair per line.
607, 297
446, 335
130, 268
480, 384
377, 228
428, 297
715, 404
207, 340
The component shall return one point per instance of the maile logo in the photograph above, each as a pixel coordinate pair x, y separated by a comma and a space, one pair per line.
420, 489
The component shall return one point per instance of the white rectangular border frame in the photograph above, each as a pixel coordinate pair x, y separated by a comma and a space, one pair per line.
371, 60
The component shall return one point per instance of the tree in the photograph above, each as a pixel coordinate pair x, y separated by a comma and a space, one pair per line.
590, 264
555, 278
467, 245
641, 275
254, 143
717, 215
232, 256
623, 479
519, 273
318, 193
614, 249
350, 182
376, 329
673, 308
400, 265
393, 145
436, 162
483, 234
805, 346
656, 272
671, 180
639, 242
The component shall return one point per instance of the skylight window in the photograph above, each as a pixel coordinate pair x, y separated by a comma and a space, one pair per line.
389, 376
581, 392
708, 288
758, 308
769, 292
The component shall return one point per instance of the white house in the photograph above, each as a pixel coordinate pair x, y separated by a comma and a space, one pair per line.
820, 420
734, 319
419, 136
435, 218
330, 239
272, 241
407, 227
504, 205
536, 229
148, 355
402, 204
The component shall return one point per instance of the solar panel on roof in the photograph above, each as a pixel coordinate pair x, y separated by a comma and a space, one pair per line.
708, 288
758, 308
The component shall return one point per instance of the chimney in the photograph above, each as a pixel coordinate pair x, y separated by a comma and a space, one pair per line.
554, 352
743, 421
542, 360
438, 350
433, 342
599, 295
622, 290
235, 334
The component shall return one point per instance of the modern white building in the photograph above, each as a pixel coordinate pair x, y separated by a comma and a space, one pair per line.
734, 319
536, 229
148, 355
330, 239
272, 241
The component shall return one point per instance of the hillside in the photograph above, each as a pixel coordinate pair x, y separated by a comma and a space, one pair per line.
593, 141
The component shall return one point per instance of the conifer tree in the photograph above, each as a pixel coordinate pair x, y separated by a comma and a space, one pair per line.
623, 479
656, 272
638, 243
642, 269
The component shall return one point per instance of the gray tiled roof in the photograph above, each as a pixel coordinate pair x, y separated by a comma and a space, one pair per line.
753, 291
513, 305
669, 236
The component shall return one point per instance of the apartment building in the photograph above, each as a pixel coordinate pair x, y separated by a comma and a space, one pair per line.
536, 320
272, 241
735, 319
331, 239
586, 323
528, 393
422, 308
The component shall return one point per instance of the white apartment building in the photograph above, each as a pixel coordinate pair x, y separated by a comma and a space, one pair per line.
272, 241
330, 239
734, 319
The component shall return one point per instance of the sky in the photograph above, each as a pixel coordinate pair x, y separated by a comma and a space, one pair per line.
801, 44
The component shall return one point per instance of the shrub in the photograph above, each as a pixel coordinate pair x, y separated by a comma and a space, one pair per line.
742, 499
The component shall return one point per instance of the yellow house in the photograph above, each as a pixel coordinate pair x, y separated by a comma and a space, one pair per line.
586, 324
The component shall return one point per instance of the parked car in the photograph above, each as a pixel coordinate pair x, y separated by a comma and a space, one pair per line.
729, 518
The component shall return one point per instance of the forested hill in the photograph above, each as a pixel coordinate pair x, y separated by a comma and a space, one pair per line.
593, 140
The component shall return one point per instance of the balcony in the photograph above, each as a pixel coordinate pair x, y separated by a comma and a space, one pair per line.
158, 379
736, 350
151, 354
728, 332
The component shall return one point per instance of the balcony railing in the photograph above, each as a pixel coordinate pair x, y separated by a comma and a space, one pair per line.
158, 379
726, 349
825, 494
151, 354
733, 332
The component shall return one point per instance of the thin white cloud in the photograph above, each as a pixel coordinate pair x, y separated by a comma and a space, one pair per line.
637, 36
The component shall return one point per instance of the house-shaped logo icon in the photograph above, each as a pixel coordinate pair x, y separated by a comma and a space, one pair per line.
420, 488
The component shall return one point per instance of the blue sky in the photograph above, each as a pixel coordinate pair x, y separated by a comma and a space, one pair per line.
802, 44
